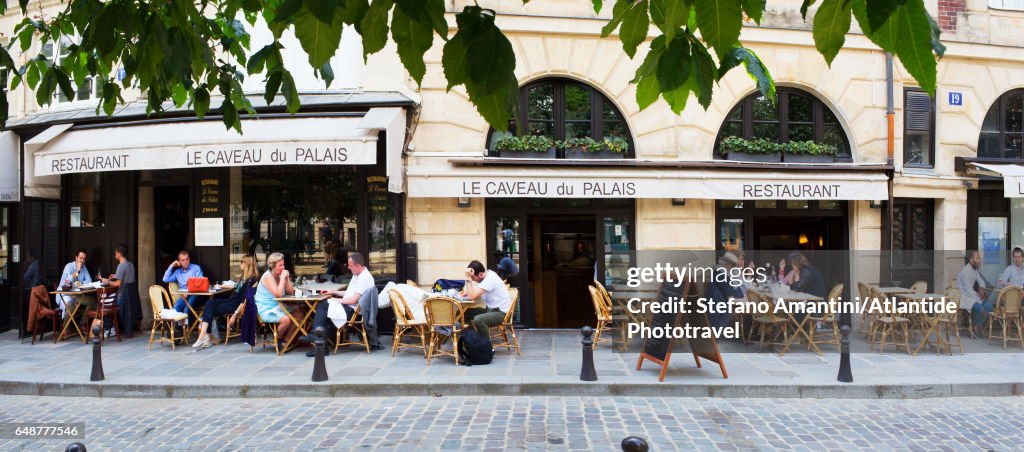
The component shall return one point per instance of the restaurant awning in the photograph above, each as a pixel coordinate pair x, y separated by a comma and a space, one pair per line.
640, 182
1012, 174
10, 167
315, 141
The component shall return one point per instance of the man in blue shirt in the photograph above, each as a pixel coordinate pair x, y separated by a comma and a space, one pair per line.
179, 272
507, 267
76, 271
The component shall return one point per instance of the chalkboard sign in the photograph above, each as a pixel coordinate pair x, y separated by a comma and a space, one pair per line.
659, 350
209, 195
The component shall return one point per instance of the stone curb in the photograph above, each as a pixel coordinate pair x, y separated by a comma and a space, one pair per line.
852, 391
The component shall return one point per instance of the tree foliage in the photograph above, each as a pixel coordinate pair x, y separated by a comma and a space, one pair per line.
185, 52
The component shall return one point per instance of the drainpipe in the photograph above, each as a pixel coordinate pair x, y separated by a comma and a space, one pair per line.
890, 119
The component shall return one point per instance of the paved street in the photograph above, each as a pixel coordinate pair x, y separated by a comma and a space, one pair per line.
526, 423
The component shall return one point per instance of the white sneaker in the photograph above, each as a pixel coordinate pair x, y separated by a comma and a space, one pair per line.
201, 341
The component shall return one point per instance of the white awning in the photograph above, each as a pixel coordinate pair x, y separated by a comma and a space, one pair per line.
637, 182
1013, 176
10, 178
204, 144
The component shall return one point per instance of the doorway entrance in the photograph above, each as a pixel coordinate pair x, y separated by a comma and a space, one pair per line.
172, 224
561, 247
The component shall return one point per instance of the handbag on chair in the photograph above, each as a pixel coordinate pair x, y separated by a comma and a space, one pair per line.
201, 284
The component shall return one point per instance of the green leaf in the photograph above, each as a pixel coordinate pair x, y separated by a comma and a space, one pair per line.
618, 13
879, 11
48, 83
374, 27
937, 46
674, 65
493, 62
755, 68
291, 94
494, 106
803, 8
831, 23
597, 6
719, 22
909, 34
754, 9
201, 101
179, 94
287, 10
647, 91
353, 11
428, 12
322, 9
229, 115
413, 38
702, 75
634, 27
272, 87
64, 82
318, 39
670, 15
327, 73
258, 60
111, 95
650, 64
455, 60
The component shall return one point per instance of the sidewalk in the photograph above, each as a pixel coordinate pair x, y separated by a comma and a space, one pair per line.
549, 365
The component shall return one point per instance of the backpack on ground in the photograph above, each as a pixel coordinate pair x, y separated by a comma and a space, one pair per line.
475, 349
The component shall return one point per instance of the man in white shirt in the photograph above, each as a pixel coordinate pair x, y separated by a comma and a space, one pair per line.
971, 298
495, 295
1014, 273
362, 282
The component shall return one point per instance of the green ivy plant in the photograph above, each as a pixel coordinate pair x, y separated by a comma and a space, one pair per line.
525, 143
615, 145
535, 143
189, 52
765, 146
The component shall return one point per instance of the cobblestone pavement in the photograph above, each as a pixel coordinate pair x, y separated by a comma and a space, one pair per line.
525, 423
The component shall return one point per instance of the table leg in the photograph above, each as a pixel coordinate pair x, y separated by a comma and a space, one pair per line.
71, 321
289, 346
799, 331
924, 340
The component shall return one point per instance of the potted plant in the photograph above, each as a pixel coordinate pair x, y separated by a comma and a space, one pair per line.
759, 150
809, 152
526, 147
588, 148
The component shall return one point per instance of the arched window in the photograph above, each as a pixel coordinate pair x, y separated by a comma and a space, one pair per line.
795, 116
566, 112
1002, 133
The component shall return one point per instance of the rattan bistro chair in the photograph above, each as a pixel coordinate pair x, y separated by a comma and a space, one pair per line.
1007, 314
233, 329
406, 326
504, 335
828, 319
160, 302
919, 287
765, 321
889, 326
604, 316
949, 322
443, 315
354, 323
867, 319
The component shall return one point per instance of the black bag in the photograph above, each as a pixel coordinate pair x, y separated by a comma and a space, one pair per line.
475, 349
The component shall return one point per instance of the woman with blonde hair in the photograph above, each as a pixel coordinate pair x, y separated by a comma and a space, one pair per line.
275, 284
230, 305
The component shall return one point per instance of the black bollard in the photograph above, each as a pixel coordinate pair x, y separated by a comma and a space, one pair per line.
319, 367
97, 361
634, 444
588, 372
75, 447
845, 373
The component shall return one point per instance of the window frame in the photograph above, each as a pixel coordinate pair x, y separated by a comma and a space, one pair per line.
931, 128
1001, 104
818, 110
558, 117
55, 57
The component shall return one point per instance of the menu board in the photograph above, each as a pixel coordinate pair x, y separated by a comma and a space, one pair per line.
209, 197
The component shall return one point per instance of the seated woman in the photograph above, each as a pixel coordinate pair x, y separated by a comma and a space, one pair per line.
230, 305
275, 284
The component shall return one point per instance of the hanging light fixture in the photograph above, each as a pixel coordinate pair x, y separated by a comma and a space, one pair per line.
821, 242
803, 239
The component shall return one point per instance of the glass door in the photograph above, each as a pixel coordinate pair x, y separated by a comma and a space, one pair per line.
617, 246
509, 241
992, 244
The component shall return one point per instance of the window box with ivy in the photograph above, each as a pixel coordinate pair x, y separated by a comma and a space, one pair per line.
759, 150
526, 147
588, 148
808, 152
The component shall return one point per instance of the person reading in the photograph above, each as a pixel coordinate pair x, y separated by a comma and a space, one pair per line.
495, 295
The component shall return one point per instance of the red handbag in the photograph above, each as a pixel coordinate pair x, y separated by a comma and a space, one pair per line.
198, 284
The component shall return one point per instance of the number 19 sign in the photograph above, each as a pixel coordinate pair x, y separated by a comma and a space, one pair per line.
956, 99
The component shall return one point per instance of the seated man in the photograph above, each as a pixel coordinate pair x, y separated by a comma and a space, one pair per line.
1014, 273
76, 271
179, 272
972, 291
361, 283
494, 293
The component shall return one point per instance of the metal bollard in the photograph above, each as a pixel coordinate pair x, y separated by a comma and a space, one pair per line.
97, 361
845, 373
634, 444
319, 367
588, 372
75, 447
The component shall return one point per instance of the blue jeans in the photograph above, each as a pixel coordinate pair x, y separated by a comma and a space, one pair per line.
195, 301
979, 312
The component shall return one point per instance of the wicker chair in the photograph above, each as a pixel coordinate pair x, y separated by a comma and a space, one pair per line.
950, 322
233, 329
867, 320
889, 325
443, 313
768, 322
604, 316
501, 334
1007, 313
829, 319
159, 299
263, 329
354, 323
406, 325
919, 287
52, 314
